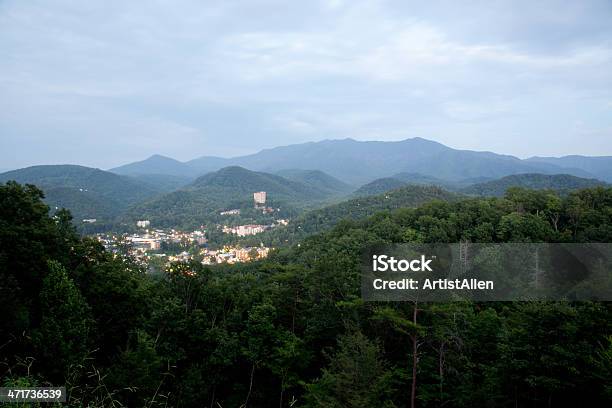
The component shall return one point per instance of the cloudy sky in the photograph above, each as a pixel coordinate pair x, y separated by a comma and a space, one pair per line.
102, 83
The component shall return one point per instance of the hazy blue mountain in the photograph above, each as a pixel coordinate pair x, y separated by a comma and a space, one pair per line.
87, 192
207, 164
562, 183
157, 164
231, 187
357, 162
317, 179
162, 182
599, 166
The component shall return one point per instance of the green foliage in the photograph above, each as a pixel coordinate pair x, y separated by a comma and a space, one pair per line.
63, 338
357, 376
28, 239
379, 186
292, 330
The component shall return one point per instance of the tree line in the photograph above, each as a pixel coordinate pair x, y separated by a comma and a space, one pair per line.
292, 331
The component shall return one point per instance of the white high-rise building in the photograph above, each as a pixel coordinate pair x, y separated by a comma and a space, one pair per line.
259, 198
143, 223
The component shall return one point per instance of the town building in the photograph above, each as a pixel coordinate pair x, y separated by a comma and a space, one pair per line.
143, 223
231, 212
259, 198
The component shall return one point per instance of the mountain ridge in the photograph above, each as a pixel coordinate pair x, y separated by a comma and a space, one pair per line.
561, 183
155, 164
359, 162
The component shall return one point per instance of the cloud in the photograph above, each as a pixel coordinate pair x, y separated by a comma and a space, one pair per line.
186, 78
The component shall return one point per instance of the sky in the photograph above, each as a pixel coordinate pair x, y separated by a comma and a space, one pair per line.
103, 83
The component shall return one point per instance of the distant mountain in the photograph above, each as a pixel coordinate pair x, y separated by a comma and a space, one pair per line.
599, 166
157, 164
162, 182
562, 183
87, 192
317, 179
207, 164
231, 187
357, 162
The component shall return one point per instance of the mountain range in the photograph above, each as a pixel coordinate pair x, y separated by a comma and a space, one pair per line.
296, 177
561, 183
359, 162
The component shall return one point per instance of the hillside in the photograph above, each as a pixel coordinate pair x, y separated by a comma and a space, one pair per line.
562, 183
232, 187
317, 179
322, 219
240, 183
82, 204
358, 162
87, 192
398, 180
379, 186
418, 178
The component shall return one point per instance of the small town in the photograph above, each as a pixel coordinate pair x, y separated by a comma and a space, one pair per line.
160, 247
166, 246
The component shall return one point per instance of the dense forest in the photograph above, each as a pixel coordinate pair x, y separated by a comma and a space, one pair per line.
292, 331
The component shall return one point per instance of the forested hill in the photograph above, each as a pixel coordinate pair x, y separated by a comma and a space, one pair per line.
85, 191
398, 180
379, 186
292, 331
562, 183
317, 179
241, 183
318, 220
232, 187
